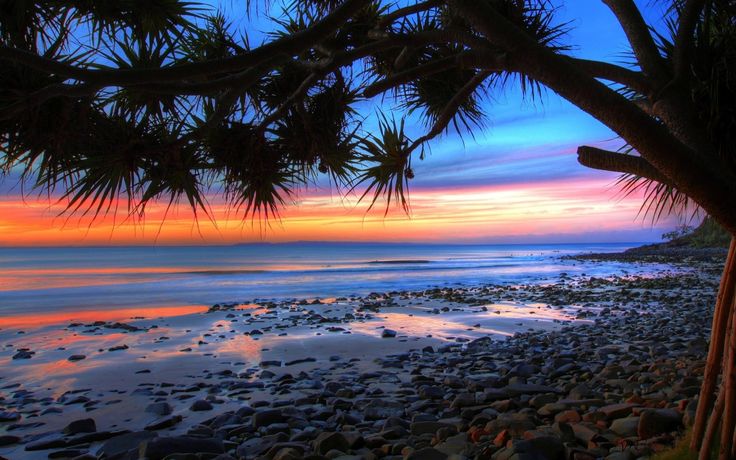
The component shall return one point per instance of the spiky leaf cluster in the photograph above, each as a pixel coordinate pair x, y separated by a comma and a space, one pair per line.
152, 100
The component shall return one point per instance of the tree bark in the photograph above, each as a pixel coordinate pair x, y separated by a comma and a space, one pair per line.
728, 386
701, 175
721, 315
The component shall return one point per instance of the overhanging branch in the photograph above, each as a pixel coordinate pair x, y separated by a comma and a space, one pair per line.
684, 39
606, 160
289, 45
617, 74
637, 32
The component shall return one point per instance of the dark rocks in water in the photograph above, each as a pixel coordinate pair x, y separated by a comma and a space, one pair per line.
68, 453
159, 408
200, 405
163, 422
24, 354
76, 357
388, 333
118, 347
7, 440
86, 425
300, 361
53, 441
159, 448
119, 445
9, 416
123, 326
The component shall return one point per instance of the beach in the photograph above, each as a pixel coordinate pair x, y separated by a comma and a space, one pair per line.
568, 363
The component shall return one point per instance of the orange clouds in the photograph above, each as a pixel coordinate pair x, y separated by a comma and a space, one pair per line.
443, 214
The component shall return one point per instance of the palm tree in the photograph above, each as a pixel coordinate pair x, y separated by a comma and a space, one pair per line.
163, 100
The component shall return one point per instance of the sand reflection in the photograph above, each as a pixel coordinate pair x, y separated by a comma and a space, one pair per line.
123, 314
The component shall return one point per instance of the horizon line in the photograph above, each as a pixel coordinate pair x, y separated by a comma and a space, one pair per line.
315, 242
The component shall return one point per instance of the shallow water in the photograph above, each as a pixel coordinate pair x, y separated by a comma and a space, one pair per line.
45, 280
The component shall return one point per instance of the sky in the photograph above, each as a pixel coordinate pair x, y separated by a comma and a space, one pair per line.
516, 181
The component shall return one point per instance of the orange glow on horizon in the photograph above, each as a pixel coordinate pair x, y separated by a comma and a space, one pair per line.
437, 215
50, 318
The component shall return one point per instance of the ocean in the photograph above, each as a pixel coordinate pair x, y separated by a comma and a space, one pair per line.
37, 280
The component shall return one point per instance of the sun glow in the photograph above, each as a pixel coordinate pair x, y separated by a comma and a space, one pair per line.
469, 213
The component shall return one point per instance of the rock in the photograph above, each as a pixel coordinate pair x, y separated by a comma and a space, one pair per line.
200, 405
614, 411
625, 427
518, 389
68, 453
23, 354
267, 417
427, 453
454, 445
328, 441
380, 409
388, 333
159, 408
7, 440
52, 441
159, 447
86, 425
9, 416
289, 453
164, 422
431, 392
568, 416
515, 423
76, 357
539, 448
653, 422
255, 446
418, 428
463, 400
124, 443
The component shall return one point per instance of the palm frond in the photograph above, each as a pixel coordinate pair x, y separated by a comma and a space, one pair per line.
390, 156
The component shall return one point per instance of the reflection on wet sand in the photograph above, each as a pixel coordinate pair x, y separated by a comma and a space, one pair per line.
52, 318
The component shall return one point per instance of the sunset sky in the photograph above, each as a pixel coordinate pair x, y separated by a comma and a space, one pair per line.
517, 181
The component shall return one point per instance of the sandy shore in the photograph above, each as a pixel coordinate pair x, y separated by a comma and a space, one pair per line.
171, 369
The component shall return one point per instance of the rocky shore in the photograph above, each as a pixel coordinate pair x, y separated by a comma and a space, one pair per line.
615, 377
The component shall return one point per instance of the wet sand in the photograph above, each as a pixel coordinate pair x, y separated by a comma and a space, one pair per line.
112, 366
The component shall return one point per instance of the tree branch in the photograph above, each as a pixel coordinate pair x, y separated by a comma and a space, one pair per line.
289, 45
684, 39
450, 110
617, 74
297, 95
408, 10
37, 98
705, 179
641, 40
605, 160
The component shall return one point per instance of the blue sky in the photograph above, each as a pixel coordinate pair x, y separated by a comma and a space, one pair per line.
525, 144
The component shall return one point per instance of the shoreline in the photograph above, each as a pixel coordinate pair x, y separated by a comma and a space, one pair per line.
274, 357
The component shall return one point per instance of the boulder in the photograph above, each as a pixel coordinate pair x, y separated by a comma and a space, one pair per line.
653, 422
328, 441
161, 447
85, 425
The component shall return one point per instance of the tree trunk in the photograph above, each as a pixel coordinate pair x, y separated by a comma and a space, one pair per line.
721, 356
